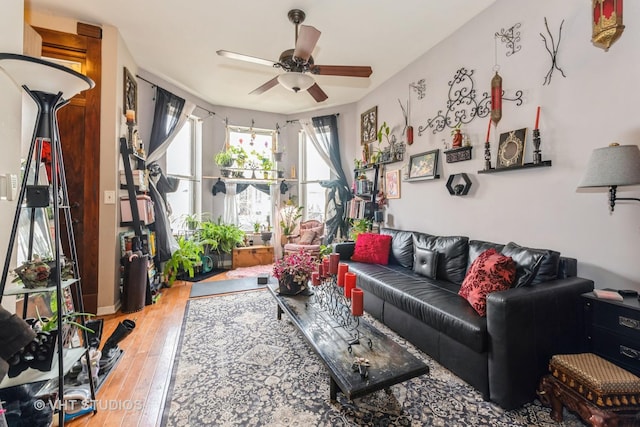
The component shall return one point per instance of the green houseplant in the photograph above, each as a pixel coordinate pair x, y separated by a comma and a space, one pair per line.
185, 259
218, 238
359, 226
224, 158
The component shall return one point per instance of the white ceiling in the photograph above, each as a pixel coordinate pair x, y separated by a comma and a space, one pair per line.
178, 40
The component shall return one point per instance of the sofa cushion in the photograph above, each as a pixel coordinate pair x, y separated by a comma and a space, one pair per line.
452, 254
476, 247
372, 248
425, 262
534, 265
490, 272
401, 247
433, 302
307, 237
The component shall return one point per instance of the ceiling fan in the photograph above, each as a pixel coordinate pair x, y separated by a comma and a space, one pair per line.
298, 62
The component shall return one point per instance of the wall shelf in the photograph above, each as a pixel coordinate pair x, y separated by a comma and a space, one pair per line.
545, 163
428, 178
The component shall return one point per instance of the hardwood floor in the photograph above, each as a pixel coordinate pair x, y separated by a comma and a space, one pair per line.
134, 393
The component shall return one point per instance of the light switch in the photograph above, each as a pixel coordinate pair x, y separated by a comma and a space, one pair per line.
109, 197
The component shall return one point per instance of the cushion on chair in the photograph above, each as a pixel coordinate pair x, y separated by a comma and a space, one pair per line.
372, 248
306, 237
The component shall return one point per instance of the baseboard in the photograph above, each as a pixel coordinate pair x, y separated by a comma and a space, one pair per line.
110, 309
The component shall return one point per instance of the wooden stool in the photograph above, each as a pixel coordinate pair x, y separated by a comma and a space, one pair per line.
601, 393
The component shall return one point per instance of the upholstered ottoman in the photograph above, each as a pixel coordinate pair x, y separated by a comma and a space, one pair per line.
601, 393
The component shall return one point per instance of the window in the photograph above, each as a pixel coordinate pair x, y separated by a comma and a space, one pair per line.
313, 170
183, 161
253, 150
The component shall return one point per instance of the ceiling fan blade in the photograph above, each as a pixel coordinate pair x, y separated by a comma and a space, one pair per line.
307, 38
246, 58
265, 87
317, 93
342, 70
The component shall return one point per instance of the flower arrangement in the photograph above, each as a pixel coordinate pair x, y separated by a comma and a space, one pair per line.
295, 267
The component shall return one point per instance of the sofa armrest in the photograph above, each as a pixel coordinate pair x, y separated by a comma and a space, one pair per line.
345, 249
527, 326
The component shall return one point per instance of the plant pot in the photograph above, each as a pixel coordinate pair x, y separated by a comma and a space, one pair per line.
226, 173
266, 236
287, 286
277, 156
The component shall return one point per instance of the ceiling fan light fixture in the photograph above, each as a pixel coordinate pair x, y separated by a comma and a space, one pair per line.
295, 81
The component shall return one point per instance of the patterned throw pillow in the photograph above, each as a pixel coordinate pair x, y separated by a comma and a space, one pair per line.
307, 237
490, 272
372, 248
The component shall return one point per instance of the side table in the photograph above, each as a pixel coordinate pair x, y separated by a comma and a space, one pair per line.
613, 330
248, 256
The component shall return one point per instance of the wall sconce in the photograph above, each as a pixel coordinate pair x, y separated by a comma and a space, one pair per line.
613, 166
607, 22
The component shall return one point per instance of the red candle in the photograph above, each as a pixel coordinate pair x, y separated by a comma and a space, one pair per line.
334, 259
315, 278
489, 130
325, 267
349, 284
320, 270
357, 298
537, 117
342, 269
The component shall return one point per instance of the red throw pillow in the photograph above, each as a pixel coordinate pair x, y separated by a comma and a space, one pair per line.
372, 248
490, 272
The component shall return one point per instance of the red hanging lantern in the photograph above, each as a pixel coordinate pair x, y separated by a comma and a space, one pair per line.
607, 22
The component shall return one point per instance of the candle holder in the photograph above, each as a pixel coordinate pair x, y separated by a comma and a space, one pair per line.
537, 155
130, 126
487, 155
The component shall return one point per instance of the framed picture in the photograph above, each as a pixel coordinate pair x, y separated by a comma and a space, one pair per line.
511, 148
392, 184
130, 89
423, 165
369, 126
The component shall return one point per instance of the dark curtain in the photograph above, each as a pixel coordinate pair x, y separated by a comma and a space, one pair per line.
339, 192
165, 117
260, 187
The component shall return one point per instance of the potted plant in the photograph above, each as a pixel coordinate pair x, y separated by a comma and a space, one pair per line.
293, 272
359, 226
219, 239
241, 158
224, 159
289, 216
184, 260
267, 166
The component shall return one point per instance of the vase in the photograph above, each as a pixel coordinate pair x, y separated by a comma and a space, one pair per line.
287, 286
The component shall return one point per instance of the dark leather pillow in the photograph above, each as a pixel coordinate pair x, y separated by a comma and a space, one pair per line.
527, 261
425, 262
401, 247
452, 254
549, 264
476, 247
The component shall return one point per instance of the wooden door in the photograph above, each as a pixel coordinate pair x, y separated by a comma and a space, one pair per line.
79, 123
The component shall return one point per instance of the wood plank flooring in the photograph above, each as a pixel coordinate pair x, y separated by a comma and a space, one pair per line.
134, 393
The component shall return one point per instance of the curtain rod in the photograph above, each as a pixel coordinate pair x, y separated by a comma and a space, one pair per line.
211, 113
297, 120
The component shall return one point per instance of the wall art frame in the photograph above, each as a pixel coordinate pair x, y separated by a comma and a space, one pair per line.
392, 184
424, 166
130, 91
369, 126
511, 148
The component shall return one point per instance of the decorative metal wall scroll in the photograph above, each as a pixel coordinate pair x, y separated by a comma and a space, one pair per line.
510, 37
553, 51
463, 105
420, 87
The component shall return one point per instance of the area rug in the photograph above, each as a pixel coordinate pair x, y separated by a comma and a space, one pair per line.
225, 286
254, 271
237, 365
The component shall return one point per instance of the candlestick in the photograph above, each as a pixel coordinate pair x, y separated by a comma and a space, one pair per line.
334, 259
357, 301
325, 267
131, 116
537, 117
537, 155
315, 278
487, 150
342, 270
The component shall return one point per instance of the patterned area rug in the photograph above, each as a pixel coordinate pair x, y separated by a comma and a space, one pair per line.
238, 365
254, 271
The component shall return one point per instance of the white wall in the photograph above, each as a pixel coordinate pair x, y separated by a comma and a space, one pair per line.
11, 22
590, 108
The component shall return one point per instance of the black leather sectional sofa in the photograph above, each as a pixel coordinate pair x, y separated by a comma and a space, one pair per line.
504, 354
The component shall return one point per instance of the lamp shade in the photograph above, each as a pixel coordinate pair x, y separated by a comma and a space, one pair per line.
295, 81
613, 165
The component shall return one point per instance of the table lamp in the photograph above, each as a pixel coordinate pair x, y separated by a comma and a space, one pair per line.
611, 167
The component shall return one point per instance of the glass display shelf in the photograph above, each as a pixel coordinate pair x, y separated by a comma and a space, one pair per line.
15, 289
29, 375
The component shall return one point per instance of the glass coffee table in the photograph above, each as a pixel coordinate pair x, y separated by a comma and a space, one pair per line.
388, 362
